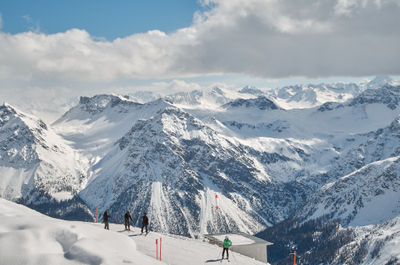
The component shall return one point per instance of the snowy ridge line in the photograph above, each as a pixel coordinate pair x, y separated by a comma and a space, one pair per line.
38, 167
169, 157
366, 196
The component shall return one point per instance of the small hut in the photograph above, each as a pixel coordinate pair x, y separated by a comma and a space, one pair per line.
244, 244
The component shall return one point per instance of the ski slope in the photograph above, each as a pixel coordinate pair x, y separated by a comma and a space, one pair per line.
27, 237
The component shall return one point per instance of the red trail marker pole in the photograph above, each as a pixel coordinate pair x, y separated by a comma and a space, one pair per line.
157, 249
294, 257
216, 202
160, 248
97, 214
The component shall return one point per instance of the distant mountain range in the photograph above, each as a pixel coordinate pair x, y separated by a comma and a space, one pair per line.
216, 160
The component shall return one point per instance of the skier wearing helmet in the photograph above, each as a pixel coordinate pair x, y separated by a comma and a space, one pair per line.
227, 243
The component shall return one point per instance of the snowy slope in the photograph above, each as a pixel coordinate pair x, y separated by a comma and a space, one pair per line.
171, 162
252, 90
313, 95
377, 244
355, 151
308, 96
172, 166
368, 190
28, 237
370, 195
261, 103
369, 111
209, 98
37, 166
262, 154
95, 124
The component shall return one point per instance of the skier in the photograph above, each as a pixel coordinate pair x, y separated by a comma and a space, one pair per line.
105, 219
145, 222
226, 245
127, 225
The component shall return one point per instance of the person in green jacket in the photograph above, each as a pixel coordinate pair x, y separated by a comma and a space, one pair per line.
227, 244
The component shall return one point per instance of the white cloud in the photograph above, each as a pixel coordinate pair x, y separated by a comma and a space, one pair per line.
298, 38
162, 88
266, 38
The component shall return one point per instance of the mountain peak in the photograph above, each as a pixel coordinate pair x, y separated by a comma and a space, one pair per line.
261, 102
379, 81
9, 112
217, 90
250, 90
385, 94
5, 111
99, 103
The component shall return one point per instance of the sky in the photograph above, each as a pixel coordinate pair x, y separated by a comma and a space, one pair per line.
100, 18
52, 51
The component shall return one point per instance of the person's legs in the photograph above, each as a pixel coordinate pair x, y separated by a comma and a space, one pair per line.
146, 229
223, 252
142, 228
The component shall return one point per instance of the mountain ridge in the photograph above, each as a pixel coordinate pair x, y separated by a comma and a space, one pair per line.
242, 162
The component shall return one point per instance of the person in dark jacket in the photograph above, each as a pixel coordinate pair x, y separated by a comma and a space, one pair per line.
145, 222
105, 219
127, 217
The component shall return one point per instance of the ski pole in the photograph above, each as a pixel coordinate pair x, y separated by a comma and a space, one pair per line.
219, 255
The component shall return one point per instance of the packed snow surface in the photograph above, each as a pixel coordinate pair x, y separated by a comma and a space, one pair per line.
27, 237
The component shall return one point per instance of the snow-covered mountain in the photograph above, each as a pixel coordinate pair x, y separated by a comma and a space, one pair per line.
313, 95
209, 98
377, 244
379, 81
369, 195
163, 160
261, 103
38, 167
93, 126
172, 165
158, 167
252, 90
216, 160
308, 96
